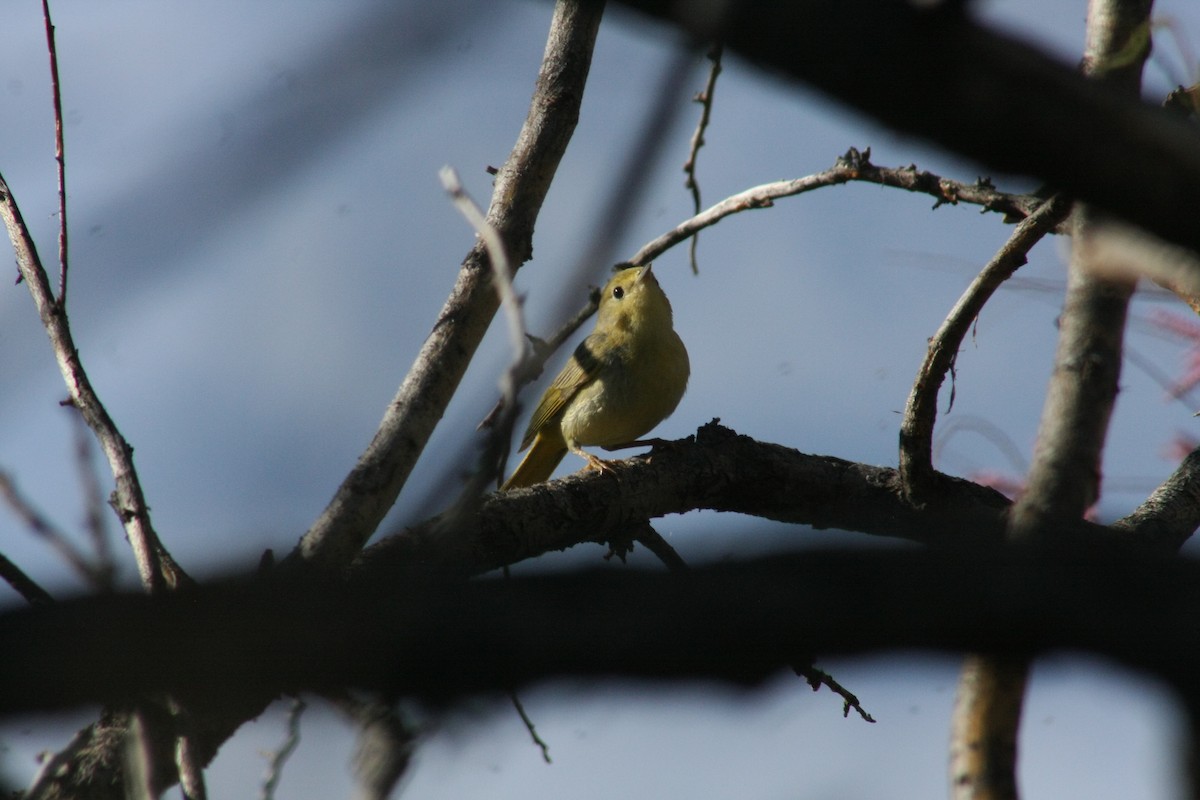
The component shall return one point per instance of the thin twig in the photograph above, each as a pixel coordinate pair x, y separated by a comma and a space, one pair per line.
284, 752
95, 518
853, 166
818, 677
529, 726
916, 428
59, 156
496, 451
705, 99
25, 586
48, 532
544, 348
653, 541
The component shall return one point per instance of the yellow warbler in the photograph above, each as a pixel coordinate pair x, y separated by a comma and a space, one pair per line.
622, 380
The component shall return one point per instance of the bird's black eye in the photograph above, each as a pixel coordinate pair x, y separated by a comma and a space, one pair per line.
618, 292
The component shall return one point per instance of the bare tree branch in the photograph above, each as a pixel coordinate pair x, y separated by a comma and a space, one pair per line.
284, 751
721, 471
44, 529
1172, 513
736, 622
372, 487
916, 428
853, 166
24, 585
156, 567
59, 155
705, 99
1064, 477
934, 72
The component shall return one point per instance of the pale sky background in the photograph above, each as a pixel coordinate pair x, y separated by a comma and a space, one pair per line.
260, 244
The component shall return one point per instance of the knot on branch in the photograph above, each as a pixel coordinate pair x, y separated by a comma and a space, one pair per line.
855, 160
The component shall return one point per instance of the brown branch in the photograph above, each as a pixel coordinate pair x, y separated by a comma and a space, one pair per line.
281, 754
936, 73
738, 622
59, 156
920, 412
1064, 477
47, 531
372, 487
719, 470
705, 99
24, 585
155, 565
1169, 516
853, 166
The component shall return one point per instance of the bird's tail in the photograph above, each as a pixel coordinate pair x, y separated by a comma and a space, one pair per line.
538, 464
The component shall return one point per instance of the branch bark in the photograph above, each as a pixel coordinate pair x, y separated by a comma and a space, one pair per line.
156, 568
1064, 478
929, 70
372, 487
920, 412
736, 622
95, 767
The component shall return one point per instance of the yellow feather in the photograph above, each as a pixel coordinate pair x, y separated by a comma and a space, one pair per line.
621, 381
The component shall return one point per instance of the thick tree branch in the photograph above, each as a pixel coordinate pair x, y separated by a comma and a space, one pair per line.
740, 623
721, 471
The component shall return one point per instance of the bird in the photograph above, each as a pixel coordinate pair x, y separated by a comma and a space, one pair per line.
627, 376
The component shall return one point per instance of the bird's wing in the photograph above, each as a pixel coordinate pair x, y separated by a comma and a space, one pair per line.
579, 370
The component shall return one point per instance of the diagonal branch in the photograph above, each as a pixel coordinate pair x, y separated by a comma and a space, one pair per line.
372, 487
156, 567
